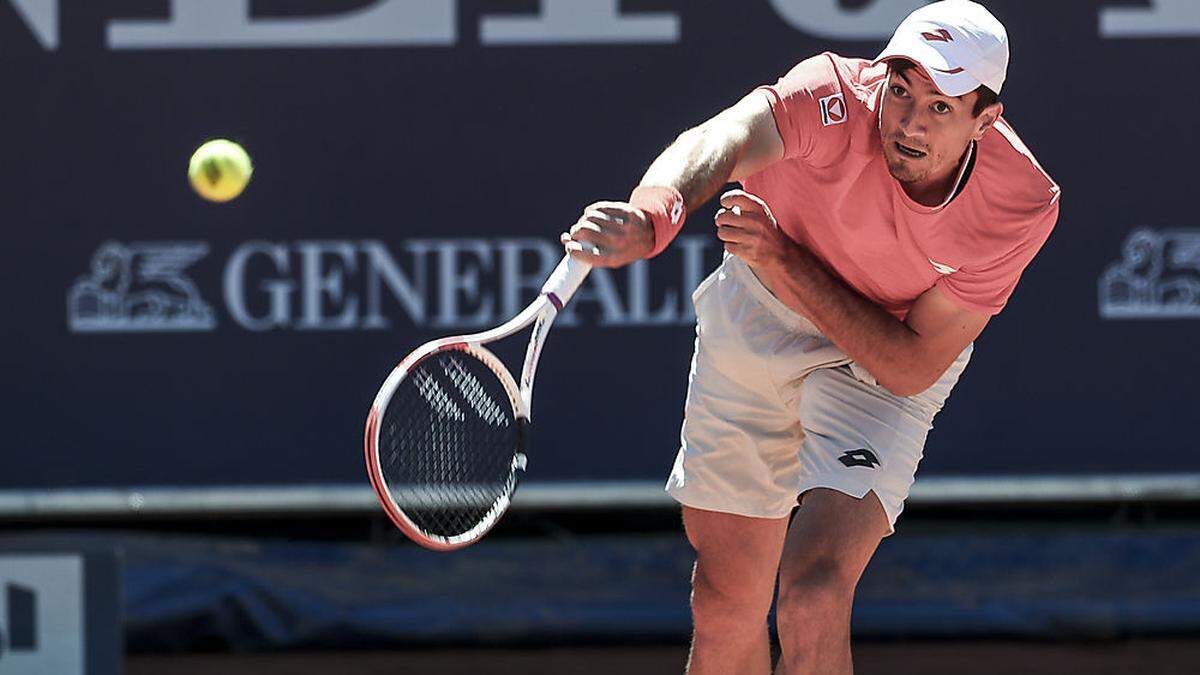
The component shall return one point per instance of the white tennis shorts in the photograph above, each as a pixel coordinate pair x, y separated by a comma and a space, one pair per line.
775, 409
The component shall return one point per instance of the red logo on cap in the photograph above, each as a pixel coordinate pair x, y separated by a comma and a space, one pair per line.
942, 35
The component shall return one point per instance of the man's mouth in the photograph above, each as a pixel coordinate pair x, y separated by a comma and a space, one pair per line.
909, 152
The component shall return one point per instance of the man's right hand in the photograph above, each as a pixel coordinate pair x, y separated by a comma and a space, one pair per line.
610, 234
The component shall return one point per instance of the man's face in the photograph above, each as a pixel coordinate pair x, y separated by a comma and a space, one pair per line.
925, 132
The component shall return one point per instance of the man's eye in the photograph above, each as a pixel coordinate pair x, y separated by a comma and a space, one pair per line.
941, 108
898, 91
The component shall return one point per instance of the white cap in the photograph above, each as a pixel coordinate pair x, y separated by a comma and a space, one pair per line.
958, 43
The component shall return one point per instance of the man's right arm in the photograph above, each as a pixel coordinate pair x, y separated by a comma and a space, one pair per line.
739, 142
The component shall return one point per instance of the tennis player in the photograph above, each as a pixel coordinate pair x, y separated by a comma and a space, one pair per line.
888, 211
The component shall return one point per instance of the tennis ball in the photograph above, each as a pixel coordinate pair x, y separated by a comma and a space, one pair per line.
219, 170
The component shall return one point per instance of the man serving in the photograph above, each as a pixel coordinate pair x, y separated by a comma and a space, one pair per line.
888, 211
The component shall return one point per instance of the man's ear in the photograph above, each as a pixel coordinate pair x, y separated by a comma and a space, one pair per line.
986, 119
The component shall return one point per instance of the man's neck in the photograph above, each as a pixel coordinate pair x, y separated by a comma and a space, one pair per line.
934, 191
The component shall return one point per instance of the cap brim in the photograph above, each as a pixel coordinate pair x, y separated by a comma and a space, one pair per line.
949, 80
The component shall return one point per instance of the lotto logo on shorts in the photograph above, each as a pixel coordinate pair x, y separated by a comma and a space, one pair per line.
860, 457
833, 109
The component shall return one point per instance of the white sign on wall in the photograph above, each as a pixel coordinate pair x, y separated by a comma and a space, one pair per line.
230, 24
1157, 277
349, 285
41, 615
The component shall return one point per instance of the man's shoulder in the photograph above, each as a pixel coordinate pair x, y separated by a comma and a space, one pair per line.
1015, 182
833, 72
830, 102
856, 72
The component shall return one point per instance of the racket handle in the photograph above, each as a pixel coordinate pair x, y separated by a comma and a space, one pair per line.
565, 279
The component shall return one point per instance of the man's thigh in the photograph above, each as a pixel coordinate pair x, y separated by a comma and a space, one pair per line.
859, 439
832, 533
737, 557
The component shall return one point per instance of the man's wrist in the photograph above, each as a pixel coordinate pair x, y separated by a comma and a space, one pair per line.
647, 229
664, 209
789, 262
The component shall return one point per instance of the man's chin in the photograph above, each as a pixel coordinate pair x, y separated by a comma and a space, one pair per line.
904, 173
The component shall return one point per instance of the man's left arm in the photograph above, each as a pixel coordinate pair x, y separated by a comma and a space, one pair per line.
905, 357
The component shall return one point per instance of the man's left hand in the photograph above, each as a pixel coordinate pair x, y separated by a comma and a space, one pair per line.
750, 232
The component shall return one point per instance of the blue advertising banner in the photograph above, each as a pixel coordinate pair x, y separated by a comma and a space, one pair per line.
415, 161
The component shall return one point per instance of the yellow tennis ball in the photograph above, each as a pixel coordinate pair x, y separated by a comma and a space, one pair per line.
219, 170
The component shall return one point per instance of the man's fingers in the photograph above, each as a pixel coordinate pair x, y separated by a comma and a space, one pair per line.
739, 198
608, 234
738, 250
590, 232
593, 255
612, 221
583, 251
608, 205
609, 221
585, 224
735, 235
736, 217
746, 202
621, 213
571, 244
615, 214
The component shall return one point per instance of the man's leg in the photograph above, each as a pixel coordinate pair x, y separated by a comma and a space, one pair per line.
829, 544
732, 586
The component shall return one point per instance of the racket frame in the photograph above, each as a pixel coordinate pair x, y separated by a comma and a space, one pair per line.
557, 290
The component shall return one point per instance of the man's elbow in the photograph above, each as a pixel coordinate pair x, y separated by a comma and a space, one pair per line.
907, 382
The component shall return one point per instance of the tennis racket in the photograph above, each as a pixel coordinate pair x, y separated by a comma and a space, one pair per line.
447, 434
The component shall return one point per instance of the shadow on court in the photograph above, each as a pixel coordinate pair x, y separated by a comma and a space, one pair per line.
1161, 657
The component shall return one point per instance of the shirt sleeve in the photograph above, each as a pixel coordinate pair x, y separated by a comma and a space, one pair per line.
986, 287
810, 110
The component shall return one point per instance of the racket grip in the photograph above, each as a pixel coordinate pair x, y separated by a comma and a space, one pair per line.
565, 279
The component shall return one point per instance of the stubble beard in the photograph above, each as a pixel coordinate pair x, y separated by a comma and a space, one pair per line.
905, 173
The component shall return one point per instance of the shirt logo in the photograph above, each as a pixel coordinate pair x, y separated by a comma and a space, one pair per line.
833, 109
942, 269
942, 35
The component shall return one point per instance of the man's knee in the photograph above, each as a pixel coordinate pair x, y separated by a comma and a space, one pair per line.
815, 596
734, 579
724, 606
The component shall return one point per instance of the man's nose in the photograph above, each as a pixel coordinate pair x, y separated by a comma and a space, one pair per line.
912, 123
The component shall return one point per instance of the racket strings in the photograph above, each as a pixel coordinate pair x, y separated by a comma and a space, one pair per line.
448, 443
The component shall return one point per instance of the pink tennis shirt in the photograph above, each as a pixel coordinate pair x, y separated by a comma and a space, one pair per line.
833, 194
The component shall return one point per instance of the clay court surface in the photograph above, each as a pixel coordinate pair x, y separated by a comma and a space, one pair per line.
1160, 657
